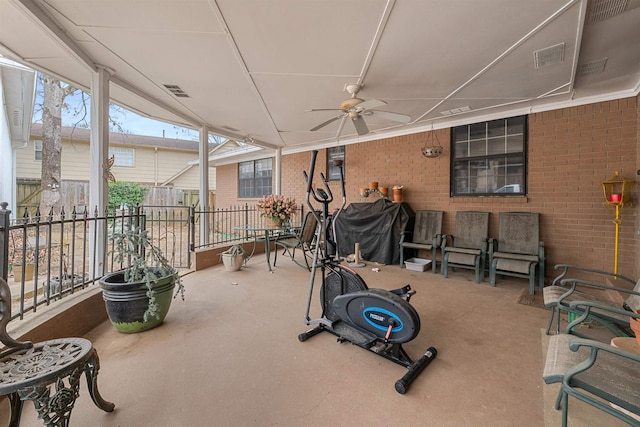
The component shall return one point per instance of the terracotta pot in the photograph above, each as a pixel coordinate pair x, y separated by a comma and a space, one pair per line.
363, 192
397, 195
373, 185
384, 191
273, 223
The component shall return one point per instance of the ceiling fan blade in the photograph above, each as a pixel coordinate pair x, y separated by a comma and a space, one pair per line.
323, 124
396, 117
369, 104
361, 126
322, 109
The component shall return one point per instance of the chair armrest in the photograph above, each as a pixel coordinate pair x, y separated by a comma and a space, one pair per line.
596, 346
575, 283
588, 305
567, 267
445, 239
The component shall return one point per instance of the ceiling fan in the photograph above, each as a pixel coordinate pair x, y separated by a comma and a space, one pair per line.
355, 108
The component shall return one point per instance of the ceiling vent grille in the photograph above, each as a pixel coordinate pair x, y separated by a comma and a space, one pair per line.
549, 55
16, 117
593, 67
455, 111
600, 10
177, 91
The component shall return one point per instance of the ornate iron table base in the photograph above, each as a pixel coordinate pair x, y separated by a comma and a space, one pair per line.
28, 374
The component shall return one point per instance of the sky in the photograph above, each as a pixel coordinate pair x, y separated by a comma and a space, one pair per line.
128, 120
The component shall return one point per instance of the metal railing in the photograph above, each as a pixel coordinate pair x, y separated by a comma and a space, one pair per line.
223, 223
47, 257
53, 256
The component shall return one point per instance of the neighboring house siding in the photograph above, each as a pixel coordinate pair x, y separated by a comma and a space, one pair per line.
571, 151
150, 166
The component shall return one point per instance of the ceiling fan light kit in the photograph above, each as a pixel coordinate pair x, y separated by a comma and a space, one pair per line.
355, 108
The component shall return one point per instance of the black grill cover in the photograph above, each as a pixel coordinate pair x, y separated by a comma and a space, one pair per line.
377, 226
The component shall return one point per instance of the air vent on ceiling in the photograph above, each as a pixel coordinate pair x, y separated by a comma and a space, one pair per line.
455, 111
600, 10
177, 91
16, 117
549, 55
593, 67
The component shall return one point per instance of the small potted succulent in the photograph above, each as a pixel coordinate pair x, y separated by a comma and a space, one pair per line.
233, 258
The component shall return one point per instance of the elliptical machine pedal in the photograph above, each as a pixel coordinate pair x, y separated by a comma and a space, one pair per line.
377, 320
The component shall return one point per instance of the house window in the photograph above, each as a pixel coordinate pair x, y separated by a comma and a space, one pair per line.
334, 153
122, 156
37, 150
490, 158
254, 178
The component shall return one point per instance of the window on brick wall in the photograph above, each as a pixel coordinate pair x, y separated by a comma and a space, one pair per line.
489, 158
254, 178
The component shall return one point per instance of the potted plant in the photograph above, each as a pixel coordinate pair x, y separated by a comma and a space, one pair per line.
138, 297
233, 258
276, 209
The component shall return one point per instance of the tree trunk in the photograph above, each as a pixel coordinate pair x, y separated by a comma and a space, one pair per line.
53, 103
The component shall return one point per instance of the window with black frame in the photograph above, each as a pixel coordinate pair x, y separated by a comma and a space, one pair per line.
254, 178
490, 158
334, 154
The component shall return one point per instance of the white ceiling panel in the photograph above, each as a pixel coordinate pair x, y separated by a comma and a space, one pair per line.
253, 68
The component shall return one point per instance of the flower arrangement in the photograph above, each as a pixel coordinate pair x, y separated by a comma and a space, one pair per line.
277, 207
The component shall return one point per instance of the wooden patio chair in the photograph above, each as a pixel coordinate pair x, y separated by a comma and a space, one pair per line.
304, 240
468, 246
427, 235
518, 251
28, 371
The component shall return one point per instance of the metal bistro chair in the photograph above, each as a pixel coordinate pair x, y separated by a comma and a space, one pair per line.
28, 371
518, 251
427, 235
304, 240
469, 245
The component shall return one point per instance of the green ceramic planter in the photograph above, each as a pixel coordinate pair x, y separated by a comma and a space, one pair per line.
126, 303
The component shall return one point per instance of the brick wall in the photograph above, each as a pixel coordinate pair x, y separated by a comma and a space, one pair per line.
571, 151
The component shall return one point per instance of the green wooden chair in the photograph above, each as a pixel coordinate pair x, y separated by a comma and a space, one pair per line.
468, 247
518, 251
427, 235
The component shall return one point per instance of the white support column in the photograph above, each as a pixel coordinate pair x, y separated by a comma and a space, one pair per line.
203, 154
277, 173
99, 151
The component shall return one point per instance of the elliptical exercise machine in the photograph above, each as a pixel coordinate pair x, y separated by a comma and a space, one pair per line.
377, 320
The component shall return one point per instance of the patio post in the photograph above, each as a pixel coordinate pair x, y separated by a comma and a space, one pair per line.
5, 215
99, 150
203, 154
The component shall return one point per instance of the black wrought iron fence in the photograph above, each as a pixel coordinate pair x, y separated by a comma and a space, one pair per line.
224, 224
47, 257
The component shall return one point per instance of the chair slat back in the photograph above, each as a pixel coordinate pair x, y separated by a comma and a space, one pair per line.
427, 224
519, 233
472, 228
309, 226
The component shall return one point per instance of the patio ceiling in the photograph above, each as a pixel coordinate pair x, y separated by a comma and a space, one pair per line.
251, 68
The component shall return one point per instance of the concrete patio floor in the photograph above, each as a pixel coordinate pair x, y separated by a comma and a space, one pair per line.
229, 356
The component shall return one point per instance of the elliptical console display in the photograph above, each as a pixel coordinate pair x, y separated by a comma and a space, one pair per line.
377, 320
